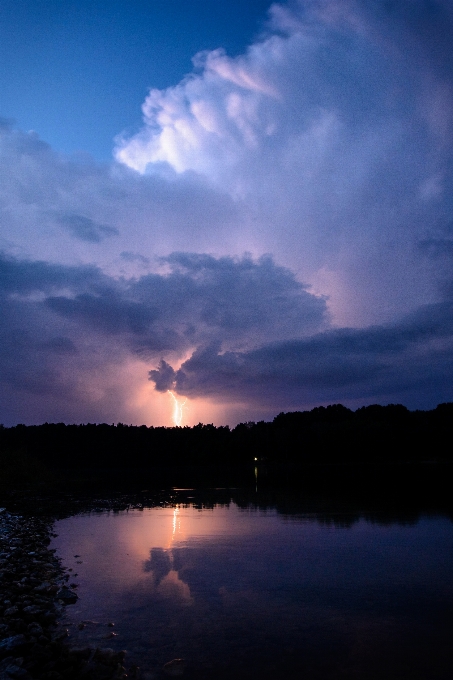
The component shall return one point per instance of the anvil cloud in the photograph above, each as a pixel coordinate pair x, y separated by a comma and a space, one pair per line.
278, 234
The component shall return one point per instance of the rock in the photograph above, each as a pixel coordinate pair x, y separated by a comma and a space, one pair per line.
11, 611
48, 617
18, 625
43, 587
174, 668
35, 629
67, 596
33, 594
61, 635
134, 671
106, 656
12, 645
32, 610
17, 672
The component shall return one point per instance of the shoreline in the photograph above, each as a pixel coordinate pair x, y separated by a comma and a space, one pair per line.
34, 644
33, 595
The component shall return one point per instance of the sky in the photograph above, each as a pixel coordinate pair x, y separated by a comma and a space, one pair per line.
247, 206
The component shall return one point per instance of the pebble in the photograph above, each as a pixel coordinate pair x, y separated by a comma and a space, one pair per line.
33, 594
174, 668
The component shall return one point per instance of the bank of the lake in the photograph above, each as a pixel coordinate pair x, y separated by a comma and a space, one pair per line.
34, 592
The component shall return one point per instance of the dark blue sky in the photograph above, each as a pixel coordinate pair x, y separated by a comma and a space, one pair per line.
78, 72
268, 227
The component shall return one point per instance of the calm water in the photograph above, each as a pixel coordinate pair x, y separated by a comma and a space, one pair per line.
242, 593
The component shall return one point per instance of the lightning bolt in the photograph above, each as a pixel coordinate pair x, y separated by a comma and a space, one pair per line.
177, 409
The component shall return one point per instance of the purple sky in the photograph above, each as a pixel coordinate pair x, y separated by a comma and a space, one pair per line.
275, 233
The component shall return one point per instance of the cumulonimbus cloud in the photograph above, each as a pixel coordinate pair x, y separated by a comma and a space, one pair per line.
328, 144
335, 129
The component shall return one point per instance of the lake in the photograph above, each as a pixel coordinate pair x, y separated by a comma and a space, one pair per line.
239, 591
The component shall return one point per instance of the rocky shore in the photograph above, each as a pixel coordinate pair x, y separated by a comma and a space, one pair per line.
34, 592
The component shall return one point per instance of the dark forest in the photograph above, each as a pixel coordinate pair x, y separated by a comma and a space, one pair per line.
332, 434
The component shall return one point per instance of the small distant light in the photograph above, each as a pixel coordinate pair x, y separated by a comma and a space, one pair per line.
256, 458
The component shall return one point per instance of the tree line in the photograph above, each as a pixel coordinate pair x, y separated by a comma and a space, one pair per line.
331, 434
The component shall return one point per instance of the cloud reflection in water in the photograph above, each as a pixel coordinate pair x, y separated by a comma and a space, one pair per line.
229, 589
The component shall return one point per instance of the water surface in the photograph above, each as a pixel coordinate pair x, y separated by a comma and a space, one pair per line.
247, 593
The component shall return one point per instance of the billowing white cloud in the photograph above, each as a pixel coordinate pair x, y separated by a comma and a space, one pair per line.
334, 130
207, 122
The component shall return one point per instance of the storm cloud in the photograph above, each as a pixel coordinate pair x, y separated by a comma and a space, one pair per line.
277, 234
252, 332
410, 362
335, 130
61, 321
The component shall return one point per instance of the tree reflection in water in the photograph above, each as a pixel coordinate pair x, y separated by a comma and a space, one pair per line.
279, 583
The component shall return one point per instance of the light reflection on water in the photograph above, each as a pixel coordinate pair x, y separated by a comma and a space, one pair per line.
242, 593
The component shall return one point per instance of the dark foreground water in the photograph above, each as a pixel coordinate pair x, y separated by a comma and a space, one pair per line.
249, 593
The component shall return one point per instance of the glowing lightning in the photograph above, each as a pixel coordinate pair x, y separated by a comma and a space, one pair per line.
177, 409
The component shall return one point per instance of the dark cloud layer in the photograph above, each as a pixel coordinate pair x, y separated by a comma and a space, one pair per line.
238, 302
253, 332
410, 361
61, 322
